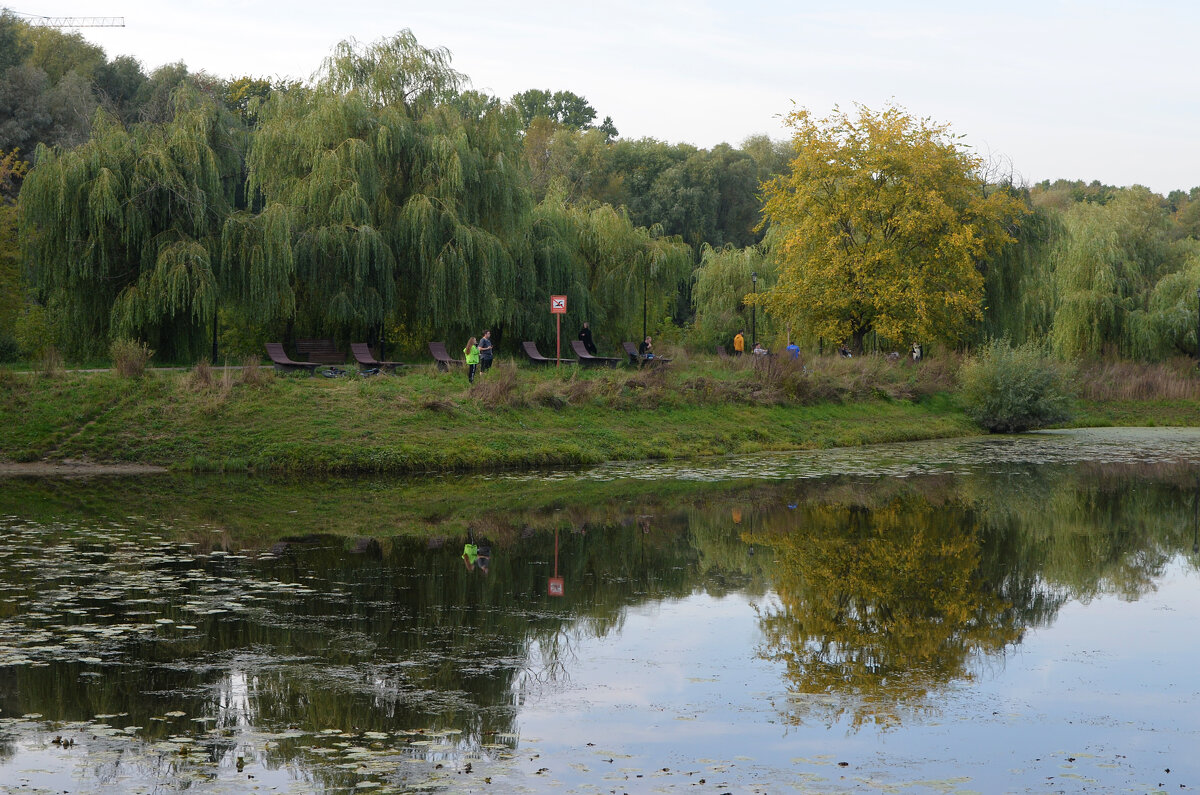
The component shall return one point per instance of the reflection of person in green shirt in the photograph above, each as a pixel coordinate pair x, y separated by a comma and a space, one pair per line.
471, 354
476, 554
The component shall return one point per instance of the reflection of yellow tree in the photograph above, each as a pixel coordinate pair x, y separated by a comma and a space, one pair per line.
878, 607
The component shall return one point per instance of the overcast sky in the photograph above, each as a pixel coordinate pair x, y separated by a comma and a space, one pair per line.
1078, 89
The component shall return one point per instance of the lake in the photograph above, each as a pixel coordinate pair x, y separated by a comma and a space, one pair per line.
981, 615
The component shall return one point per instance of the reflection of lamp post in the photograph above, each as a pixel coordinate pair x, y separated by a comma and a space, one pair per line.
754, 310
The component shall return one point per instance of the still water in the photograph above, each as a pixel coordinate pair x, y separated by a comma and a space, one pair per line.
1018, 614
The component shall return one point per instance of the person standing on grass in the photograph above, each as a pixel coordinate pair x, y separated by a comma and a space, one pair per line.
585, 336
471, 354
485, 351
739, 343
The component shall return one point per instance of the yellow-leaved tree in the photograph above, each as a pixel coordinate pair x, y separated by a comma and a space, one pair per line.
881, 223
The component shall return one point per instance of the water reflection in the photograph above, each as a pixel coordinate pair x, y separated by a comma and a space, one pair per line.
176, 650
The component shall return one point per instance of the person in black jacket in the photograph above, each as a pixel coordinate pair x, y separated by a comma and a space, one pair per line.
585, 336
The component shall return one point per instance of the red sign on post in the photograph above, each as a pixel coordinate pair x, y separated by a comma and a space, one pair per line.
558, 305
555, 587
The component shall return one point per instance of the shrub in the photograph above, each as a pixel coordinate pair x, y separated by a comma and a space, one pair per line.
129, 357
1008, 390
10, 351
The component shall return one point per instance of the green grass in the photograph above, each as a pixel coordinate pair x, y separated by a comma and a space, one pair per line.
425, 421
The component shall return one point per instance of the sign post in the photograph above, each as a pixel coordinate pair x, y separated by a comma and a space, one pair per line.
558, 308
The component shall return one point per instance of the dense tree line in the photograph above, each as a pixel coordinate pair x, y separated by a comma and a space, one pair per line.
387, 200
383, 200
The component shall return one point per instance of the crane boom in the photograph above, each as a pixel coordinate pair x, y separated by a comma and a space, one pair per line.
72, 22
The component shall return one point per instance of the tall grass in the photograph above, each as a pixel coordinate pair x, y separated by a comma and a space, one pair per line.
130, 357
52, 362
1177, 379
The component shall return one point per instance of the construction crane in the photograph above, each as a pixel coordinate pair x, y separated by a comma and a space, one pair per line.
37, 21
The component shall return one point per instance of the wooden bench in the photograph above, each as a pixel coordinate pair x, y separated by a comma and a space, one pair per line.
320, 351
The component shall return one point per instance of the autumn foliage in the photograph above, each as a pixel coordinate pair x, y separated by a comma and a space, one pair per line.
881, 224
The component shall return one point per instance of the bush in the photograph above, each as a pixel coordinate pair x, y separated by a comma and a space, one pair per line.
10, 351
130, 357
1009, 390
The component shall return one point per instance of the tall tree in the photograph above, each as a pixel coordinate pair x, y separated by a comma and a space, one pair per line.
881, 224
398, 185
721, 283
565, 108
12, 170
122, 234
1106, 266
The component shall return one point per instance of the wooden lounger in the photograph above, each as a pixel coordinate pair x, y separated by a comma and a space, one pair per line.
535, 356
285, 365
362, 355
638, 359
587, 360
440, 355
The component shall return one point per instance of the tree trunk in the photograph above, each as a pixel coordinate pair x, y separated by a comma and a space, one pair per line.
856, 340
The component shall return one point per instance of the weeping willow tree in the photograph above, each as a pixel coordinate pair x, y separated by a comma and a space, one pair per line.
1106, 270
723, 280
615, 275
1168, 324
1019, 296
393, 195
122, 234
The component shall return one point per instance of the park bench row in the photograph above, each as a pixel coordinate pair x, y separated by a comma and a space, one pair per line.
320, 353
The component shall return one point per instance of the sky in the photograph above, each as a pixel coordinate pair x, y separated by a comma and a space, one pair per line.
1072, 89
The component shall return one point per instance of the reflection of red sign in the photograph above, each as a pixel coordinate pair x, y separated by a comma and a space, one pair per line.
558, 305
555, 588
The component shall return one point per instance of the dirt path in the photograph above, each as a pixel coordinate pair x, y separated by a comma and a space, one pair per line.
74, 469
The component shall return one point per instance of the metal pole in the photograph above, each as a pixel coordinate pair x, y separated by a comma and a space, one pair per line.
1198, 326
754, 311
643, 305
558, 340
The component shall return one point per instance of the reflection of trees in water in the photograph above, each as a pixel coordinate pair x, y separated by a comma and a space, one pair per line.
888, 591
885, 591
881, 604
380, 637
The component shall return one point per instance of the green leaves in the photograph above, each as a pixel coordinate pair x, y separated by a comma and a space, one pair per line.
122, 232
1009, 390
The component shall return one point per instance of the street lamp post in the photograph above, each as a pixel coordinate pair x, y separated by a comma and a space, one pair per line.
643, 304
754, 310
1198, 326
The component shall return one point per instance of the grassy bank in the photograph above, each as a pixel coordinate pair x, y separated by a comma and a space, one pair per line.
424, 421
